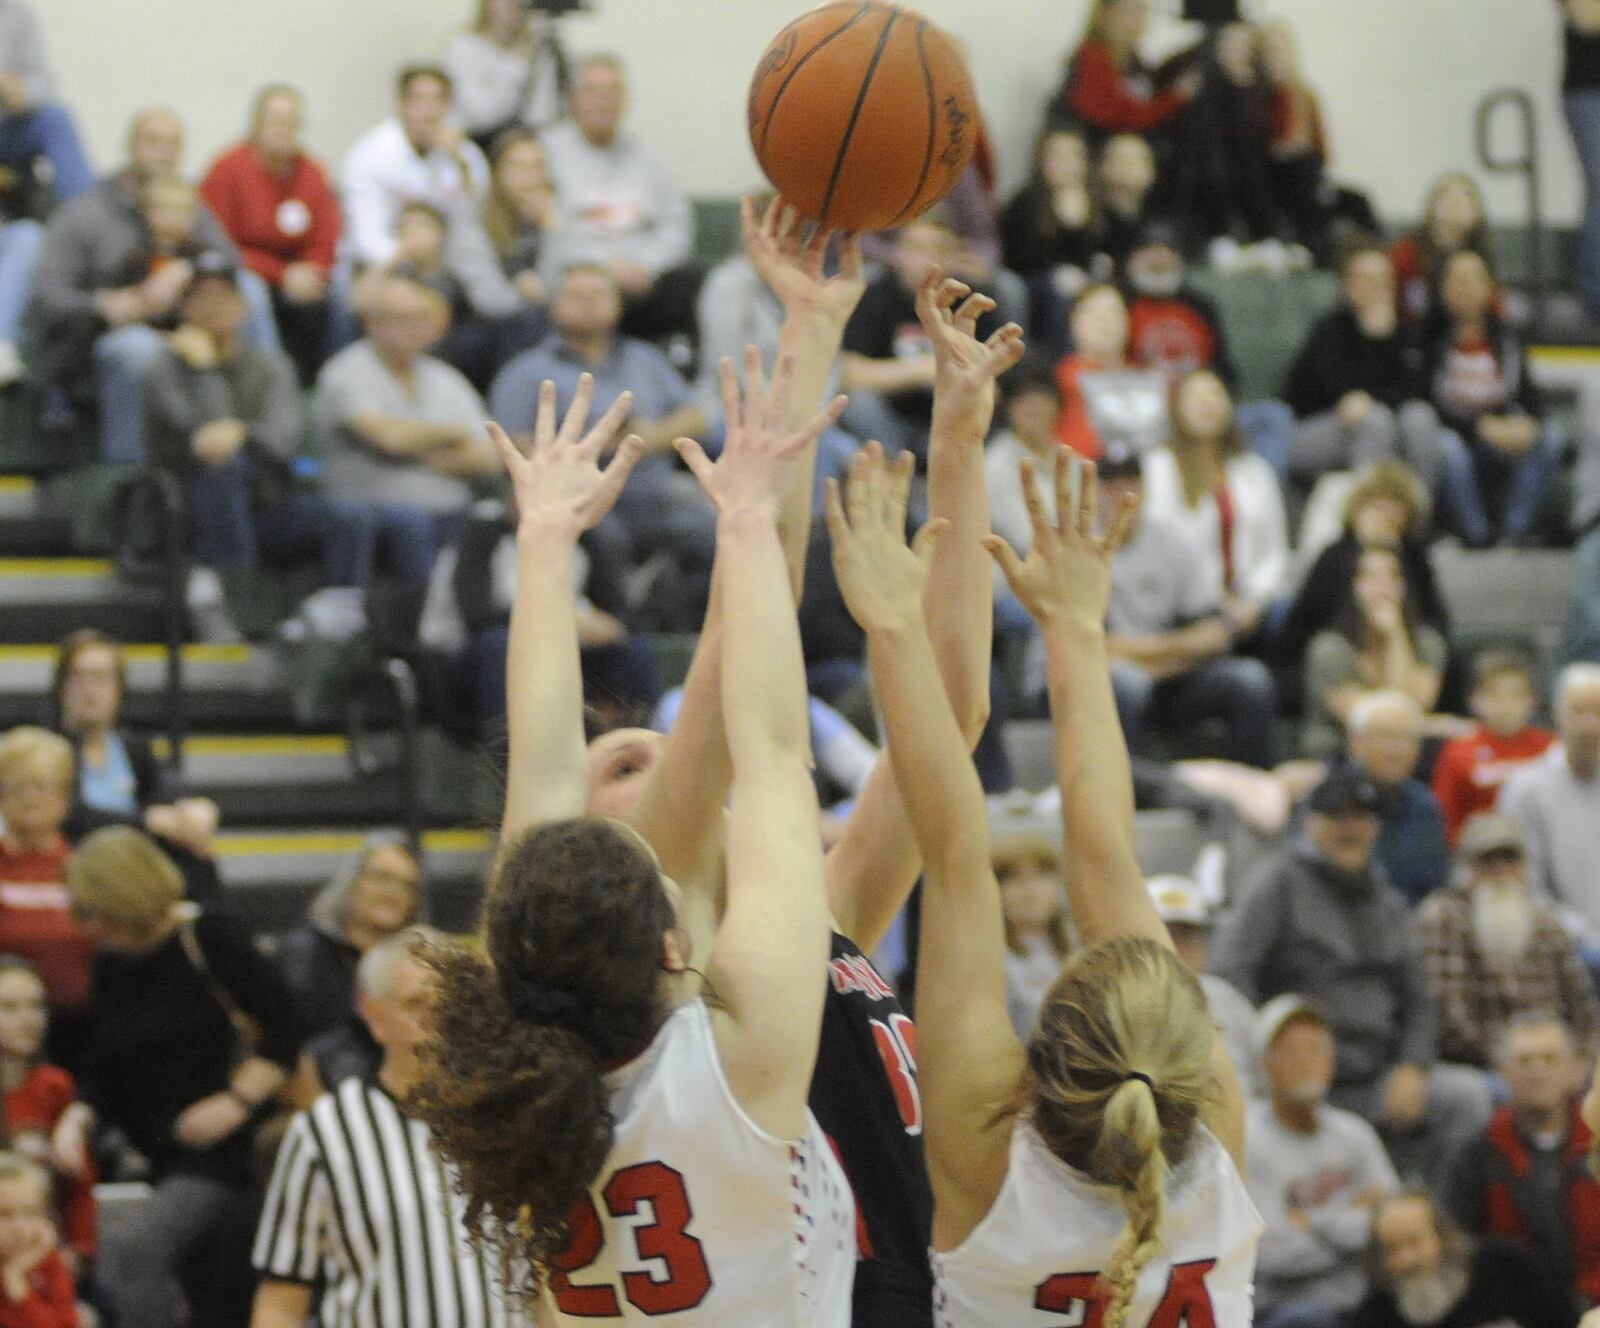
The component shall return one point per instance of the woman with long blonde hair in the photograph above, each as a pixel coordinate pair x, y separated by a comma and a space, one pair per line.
1095, 1171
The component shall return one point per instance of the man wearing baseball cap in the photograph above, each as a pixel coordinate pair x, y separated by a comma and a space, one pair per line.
1493, 951
1182, 906
1315, 1173
1321, 918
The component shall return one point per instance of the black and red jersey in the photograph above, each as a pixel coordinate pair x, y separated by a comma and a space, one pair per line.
864, 1095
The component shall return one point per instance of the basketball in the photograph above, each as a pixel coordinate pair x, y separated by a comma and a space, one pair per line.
862, 115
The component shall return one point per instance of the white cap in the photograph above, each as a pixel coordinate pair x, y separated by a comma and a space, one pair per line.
1179, 901
1277, 1012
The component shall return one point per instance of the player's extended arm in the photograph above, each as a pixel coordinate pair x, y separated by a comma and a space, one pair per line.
681, 805
1065, 583
560, 492
773, 942
970, 1061
873, 867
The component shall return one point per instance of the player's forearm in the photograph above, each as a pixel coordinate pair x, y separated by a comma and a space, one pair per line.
932, 762
544, 688
960, 597
812, 340
763, 676
1104, 885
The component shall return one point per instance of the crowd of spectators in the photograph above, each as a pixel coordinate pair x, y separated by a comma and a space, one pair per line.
1407, 983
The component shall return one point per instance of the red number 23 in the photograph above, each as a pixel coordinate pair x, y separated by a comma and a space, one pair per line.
666, 1239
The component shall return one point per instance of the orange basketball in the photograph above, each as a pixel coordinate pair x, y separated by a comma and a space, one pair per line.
862, 114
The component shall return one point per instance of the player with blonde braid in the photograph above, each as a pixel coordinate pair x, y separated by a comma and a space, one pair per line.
1094, 1175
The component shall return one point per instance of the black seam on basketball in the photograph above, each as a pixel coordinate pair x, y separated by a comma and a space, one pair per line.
933, 125
766, 124
855, 114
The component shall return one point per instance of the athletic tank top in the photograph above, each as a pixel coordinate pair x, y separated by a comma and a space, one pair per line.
699, 1216
864, 1095
1036, 1258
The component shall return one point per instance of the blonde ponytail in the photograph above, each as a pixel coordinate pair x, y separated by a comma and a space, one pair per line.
1120, 1072
1130, 1146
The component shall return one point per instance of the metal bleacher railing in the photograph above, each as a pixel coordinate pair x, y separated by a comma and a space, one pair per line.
1522, 160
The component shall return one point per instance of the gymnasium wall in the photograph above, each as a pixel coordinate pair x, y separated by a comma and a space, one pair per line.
1400, 78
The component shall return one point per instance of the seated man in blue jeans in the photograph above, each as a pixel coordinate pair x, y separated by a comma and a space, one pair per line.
1168, 640
401, 432
31, 123
225, 419
662, 509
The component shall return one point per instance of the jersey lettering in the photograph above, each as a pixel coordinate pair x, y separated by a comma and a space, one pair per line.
664, 1240
897, 1044
850, 973
1186, 1303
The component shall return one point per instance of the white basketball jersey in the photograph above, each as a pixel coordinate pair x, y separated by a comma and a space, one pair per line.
699, 1216
1036, 1258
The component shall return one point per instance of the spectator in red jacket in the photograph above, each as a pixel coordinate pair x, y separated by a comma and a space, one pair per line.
1452, 218
1471, 768
1109, 88
276, 204
36, 781
44, 1120
36, 1289
1528, 1177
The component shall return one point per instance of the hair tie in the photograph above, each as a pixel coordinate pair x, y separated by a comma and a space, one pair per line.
1141, 1077
542, 1005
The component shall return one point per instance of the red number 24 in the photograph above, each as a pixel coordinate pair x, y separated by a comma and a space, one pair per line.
666, 1239
1185, 1304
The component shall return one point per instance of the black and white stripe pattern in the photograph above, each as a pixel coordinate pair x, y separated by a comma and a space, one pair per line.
362, 1208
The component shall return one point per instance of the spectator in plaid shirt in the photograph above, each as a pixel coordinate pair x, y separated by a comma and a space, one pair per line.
1492, 951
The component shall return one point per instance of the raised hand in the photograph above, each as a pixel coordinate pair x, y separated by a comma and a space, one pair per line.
759, 455
792, 263
965, 368
1066, 576
561, 485
882, 580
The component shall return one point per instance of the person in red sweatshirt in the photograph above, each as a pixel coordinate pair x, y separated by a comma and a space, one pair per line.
44, 1120
1471, 768
36, 1288
36, 923
276, 204
1109, 88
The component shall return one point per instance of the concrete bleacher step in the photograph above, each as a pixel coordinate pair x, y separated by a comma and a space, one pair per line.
42, 599
286, 778
269, 876
225, 686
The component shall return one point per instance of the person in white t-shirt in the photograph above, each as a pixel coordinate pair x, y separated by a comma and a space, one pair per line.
417, 156
631, 1131
1093, 1175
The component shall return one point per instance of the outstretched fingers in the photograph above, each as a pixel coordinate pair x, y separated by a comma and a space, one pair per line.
926, 544
544, 420
1121, 524
510, 457
1006, 559
694, 456
615, 475
1044, 529
1006, 348
578, 412
1088, 500
604, 430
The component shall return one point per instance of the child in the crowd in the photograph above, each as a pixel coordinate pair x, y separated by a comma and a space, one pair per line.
1106, 402
1470, 769
44, 1120
1126, 173
170, 208
36, 784
1038, 935
422, 232
36, 1288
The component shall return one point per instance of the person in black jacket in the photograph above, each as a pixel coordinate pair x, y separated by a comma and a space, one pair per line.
1480, 383
1426, 1274
193, 1035
1357, 387
1388, 507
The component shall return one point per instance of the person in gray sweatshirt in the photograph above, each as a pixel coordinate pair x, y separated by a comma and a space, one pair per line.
1316, 1171
1322, 920
98, 289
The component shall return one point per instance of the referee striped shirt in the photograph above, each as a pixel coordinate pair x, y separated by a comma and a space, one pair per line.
364, 1211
